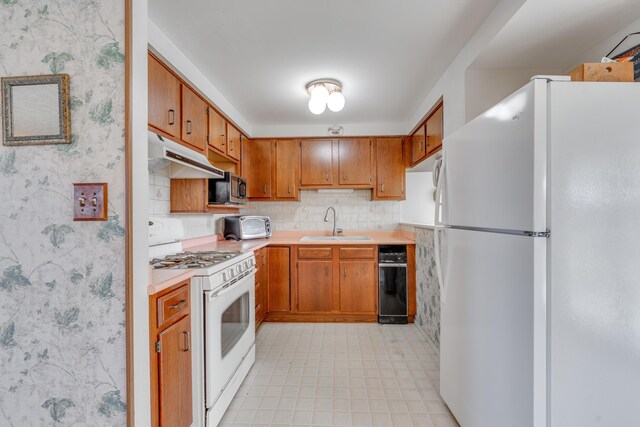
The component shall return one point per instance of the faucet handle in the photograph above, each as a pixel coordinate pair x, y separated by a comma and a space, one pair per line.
339, 230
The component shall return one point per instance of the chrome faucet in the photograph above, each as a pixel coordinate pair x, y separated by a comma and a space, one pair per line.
336, 231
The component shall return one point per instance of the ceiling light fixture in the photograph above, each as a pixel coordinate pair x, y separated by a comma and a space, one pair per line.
325, 93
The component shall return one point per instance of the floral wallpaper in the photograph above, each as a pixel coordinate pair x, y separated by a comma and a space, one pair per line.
62, 319
428, 290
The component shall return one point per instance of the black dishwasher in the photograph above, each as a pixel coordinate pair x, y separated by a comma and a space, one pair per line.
392, 287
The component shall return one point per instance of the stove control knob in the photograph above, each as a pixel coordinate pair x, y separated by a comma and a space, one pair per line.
232, 273
224, 276
238, 269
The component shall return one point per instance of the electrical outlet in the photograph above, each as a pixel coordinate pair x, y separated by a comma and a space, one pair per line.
90, 202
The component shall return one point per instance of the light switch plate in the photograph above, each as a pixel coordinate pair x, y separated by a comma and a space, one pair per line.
90, 202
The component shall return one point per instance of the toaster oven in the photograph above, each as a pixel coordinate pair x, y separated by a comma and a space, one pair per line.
244, 227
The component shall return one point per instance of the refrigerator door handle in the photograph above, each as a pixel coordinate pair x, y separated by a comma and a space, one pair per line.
440, 178
438, 259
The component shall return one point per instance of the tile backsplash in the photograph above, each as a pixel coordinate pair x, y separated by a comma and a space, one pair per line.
195, 225
354, 212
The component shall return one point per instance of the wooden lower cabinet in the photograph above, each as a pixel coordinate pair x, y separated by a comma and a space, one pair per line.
279, 283
262, 283
170, 342
328, 283
358, 287
315, 286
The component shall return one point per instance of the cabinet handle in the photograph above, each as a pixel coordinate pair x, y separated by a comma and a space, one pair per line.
326, 176
344, 176
187, 338
345, 272
172, 117
382, 188
181, 304
289, 188
326, 270
264, 188
189, 126
224, 139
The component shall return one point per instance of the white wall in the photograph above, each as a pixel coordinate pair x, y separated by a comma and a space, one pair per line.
487, 87
595, 53
419, 208
354, 212
452, 83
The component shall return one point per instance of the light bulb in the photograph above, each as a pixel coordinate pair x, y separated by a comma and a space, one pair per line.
317, 106
320, 92
336, 101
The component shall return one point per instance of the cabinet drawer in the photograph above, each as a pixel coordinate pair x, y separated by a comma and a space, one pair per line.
173, 305
315, 253
358, 252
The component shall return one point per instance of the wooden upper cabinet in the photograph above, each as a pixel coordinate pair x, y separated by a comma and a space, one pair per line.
234, 142
188, 195
257, 170
390, 169
316, 162
434, 130
174, 374
358, 290
217, 132
194, 120
286, 168
418, 145
355, 161
164, 98
279, 293
315, 286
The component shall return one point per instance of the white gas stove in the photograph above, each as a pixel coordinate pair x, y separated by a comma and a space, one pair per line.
222, 316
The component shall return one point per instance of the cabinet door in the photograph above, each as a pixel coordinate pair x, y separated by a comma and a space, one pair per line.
188, 195
286, 152
278, 295
434, 131
358, 287
174, 374
164, 98
418, 146
390, 169
355, 163
315, 286
258, 161
316, 162
217, 132
233, 142
194, 120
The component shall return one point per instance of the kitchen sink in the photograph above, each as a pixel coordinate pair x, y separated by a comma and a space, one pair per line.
336, 238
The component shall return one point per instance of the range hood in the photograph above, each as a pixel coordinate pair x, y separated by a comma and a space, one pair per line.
181, 161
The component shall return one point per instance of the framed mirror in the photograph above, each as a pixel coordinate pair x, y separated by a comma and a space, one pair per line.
36, 110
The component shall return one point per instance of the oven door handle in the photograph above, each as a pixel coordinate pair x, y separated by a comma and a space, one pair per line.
228, 287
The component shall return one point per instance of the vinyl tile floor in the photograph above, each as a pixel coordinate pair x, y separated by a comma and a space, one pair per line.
353, 374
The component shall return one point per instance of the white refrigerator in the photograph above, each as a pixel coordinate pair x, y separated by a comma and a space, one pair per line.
538, 257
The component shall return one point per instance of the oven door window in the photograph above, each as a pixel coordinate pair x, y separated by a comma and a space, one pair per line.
235, 321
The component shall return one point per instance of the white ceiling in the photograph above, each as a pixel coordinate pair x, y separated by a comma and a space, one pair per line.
260, 54
554, 33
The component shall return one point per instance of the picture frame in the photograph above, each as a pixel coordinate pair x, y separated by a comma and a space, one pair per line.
36, 110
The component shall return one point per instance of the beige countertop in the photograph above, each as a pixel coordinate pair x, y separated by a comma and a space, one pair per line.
163, 279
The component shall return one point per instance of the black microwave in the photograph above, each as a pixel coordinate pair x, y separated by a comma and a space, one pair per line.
230, 190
